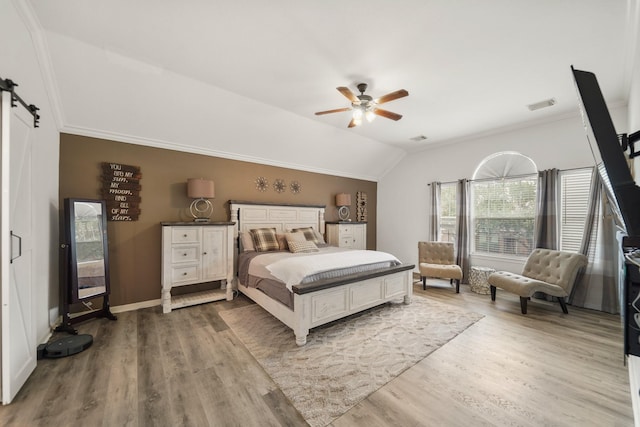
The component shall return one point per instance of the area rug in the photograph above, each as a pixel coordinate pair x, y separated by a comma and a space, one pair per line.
345, 361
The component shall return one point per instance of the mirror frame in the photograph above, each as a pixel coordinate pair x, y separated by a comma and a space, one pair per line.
72, 279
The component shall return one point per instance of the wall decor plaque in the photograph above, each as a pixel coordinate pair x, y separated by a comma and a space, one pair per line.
121, 190
361, 206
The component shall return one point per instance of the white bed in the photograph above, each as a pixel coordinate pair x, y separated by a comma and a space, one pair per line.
323, 301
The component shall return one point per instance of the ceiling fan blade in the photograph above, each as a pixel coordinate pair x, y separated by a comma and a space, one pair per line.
391, 96
387, 114
352, 123
337, 110
348, 94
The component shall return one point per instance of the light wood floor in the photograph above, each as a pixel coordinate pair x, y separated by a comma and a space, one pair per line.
188, 368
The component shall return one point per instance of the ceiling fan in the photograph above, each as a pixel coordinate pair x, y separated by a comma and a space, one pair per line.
365, 106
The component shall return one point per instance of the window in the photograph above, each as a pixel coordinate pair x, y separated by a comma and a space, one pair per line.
574, 202
503, 212
447, 213
503, 205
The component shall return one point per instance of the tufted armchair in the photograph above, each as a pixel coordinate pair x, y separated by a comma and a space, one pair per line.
546, 270
436, 259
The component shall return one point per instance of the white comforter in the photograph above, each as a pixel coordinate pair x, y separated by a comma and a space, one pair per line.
293, 269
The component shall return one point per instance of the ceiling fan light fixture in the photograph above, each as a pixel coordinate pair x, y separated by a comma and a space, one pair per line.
369, 115
364, 106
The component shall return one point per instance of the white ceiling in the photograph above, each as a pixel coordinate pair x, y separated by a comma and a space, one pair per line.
470, 66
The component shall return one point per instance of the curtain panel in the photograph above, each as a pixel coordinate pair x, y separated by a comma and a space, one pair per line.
434, 219
597, 284
463, 241
546, 223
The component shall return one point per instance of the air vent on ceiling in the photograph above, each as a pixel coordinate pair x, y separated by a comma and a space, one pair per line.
418, 138
542, 104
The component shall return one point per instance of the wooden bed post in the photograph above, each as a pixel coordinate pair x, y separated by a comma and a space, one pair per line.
301, 322
234, 218
321, 220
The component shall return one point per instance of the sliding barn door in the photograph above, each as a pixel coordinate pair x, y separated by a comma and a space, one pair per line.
19, 342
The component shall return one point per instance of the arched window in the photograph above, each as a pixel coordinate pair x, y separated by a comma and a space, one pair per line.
503, 205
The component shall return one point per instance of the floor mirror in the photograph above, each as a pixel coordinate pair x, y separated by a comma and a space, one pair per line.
85, 261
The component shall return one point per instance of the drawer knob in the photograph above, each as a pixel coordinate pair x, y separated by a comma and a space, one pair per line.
184, 235
204, 253
184, 274
184, 254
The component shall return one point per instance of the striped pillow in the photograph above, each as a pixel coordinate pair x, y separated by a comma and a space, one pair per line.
309, 234
264, 239
307, 246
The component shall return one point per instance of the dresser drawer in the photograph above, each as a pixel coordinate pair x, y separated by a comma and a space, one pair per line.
185, 235
346, 230
184, 254
184, 274
346, 241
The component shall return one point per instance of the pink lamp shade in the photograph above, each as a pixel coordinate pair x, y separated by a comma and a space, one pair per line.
343, 199
199, 188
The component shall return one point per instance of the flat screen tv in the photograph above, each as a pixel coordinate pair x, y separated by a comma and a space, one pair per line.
607, 150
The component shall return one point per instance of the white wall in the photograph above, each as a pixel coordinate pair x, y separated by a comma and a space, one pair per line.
19, 62
403, 194
112, 96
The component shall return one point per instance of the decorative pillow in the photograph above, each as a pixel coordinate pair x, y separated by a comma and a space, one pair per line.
282, 241
264, 239
246, 240
305, 246
295, 237
309, 234
319, 238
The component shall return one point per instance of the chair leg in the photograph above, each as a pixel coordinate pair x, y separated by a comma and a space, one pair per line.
457, 286
493, 292
523, 304
424, 283
563, 305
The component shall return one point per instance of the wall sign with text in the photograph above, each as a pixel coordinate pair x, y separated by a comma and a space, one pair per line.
121, 190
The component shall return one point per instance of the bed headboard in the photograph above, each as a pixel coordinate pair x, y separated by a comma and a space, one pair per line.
248, 215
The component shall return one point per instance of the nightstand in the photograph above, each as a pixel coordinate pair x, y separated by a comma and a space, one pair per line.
346, 234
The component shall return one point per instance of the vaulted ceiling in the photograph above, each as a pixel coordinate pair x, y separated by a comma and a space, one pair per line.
244, 78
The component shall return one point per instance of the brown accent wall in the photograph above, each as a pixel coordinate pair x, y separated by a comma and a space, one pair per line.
135, 247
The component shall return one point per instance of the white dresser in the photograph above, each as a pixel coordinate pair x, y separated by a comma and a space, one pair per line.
351, 235
195, 253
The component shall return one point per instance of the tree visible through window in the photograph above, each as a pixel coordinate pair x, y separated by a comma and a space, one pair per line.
503, 205
504, 214
447, 213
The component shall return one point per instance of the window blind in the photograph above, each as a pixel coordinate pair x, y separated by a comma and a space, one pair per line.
574, 202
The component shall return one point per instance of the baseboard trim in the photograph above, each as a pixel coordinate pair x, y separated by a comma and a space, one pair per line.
135, 306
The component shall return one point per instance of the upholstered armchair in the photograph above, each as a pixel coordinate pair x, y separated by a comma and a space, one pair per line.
437, 259
546, 270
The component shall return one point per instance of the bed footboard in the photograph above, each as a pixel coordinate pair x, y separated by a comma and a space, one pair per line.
318, 303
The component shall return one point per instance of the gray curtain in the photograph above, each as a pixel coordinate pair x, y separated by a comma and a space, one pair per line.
546, 225
434, 223
596, 286
463, 238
